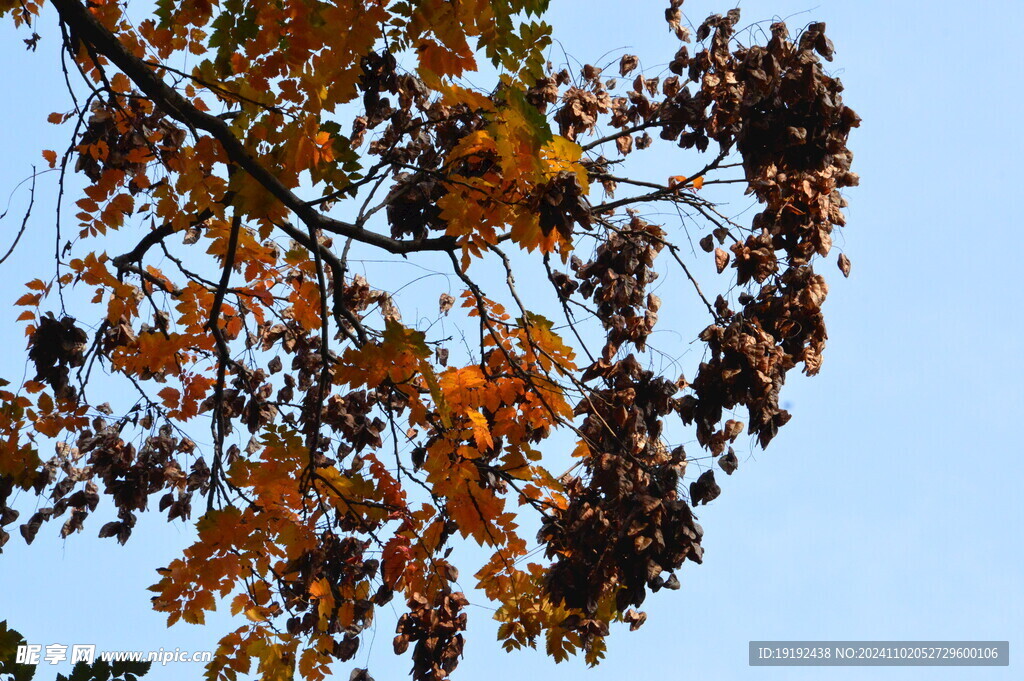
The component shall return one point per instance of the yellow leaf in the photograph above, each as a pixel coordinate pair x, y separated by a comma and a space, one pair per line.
443, 409
255, 615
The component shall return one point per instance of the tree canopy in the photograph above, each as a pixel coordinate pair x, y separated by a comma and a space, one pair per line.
332, 453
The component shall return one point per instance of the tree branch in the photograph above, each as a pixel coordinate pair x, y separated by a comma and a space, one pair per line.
91, 31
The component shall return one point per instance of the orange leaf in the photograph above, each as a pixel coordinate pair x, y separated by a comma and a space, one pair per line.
170, 396
481, 432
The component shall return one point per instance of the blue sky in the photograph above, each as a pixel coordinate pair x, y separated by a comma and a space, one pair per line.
887, 509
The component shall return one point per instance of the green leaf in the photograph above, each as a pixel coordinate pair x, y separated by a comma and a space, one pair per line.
9, 642
132, 667
534, 118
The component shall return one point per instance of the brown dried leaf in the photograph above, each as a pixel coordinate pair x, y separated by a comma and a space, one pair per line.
275, 365
635, 619
729, 462
628, 64
733, 429
704, 489
721, 260
624, 144
844, 264
445, 303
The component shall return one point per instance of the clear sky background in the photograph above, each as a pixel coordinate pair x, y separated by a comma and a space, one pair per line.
888, 508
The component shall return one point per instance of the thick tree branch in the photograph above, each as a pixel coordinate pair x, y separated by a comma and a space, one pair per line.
217, 425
